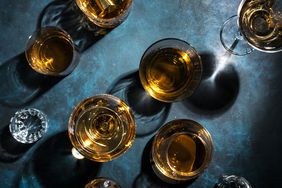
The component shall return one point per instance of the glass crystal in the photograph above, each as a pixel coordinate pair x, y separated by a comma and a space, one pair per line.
232, 181
28, 125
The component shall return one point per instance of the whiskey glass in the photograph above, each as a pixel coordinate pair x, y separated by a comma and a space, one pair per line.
102, 183
258, 25
232, 181
170, 70
101, 128
105, 13
51, 51
181, 151
28, 125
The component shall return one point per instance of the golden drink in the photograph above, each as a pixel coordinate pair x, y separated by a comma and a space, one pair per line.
181, 151
170, 73
101, 128
105, 13
260, 24
102, 183
51, 52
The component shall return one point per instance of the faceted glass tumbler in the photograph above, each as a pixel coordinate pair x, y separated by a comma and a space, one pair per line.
232, 181
28, 125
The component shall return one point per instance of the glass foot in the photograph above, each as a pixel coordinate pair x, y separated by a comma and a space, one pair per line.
231, 38
76, 154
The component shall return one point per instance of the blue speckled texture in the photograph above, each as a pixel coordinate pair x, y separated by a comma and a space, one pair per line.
240, 107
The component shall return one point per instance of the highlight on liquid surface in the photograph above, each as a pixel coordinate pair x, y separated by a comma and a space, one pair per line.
184, 153
100, 10
167, 74
181, 150
101, 129
102, 183
261, 24
51, 52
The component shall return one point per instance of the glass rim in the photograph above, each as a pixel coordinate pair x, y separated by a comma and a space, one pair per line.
208, 157
46, 28
85, 150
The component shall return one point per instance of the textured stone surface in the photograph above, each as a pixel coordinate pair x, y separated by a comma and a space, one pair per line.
241, 106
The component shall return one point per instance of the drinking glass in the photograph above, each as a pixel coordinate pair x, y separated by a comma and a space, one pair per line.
258, 25
170, 70
105, 13
181, 151
50, 51
28, 125
232, 181
102, 183
101, 128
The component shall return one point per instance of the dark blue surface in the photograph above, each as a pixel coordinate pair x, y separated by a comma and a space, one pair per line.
240, 106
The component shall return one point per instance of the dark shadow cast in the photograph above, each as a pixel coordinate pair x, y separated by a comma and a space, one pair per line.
264, 169
149, 113
218, 89
52, 165
21, 84
66, 14
10, 149
147, 177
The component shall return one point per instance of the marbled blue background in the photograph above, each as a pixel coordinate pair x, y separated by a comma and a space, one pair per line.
241, 108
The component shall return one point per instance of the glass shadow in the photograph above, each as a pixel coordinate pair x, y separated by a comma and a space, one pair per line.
147, 177
66, 15
21, 84
149, 113
219, 87
53, 165
10, 149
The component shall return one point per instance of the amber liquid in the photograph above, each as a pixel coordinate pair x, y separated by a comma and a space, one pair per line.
51, 53
113, 11
166, 74
184, 153
102, 133
261, 25
104, 8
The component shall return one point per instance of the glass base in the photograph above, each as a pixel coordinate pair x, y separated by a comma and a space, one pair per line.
28, 125
231, 38
229, 181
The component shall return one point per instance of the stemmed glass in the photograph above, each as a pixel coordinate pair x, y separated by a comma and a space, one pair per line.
258, 25
101, 128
